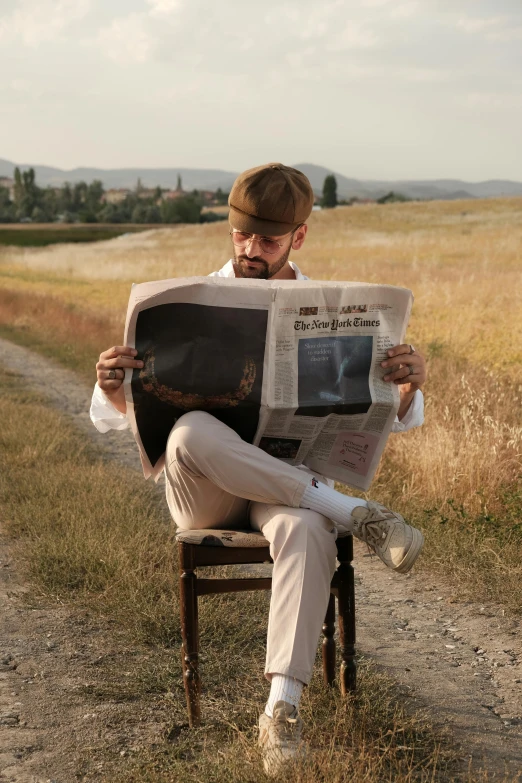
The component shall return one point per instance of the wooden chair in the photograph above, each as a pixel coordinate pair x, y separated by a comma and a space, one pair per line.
232, 547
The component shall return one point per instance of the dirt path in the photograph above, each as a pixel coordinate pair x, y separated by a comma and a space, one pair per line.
462, 661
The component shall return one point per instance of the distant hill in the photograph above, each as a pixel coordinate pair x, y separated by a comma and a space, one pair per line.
212, 179
202, 179
425, 189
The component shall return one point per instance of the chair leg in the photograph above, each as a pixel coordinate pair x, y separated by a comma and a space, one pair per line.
346, 596
190, 646
329, 643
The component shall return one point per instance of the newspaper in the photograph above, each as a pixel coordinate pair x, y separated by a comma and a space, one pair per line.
292, 367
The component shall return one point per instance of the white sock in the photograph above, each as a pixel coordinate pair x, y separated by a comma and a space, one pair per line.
283, 688
332, 504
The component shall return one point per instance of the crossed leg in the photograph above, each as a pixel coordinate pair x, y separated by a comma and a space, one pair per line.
211, 476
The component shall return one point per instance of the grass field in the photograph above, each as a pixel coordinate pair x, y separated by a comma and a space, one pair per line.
101, 556
43, 234
459, 476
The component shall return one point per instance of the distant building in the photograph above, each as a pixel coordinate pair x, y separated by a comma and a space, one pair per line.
147, 192
7, 182
356, 200
173, 194
208, 196
115, 195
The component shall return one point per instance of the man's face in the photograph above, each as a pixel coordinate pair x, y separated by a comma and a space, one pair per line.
250, 261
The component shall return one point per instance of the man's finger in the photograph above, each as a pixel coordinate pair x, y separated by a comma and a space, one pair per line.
118, 350
119, 361
116, 374
402, 372
394, 364
109, 385
391, 365
122, 361
398, 349
404, 358
408, 379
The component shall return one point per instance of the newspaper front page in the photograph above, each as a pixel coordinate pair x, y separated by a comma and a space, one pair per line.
292, 367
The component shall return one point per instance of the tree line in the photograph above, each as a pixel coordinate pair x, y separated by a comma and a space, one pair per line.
330, 200
86, 203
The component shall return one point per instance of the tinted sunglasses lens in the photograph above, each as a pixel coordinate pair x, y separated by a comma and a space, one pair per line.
240, 238
269, 246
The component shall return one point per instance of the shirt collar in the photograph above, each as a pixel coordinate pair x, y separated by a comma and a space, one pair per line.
228, 270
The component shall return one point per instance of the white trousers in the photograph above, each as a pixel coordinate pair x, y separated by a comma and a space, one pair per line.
217, 480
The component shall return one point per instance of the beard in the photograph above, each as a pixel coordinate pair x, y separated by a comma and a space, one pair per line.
263, 270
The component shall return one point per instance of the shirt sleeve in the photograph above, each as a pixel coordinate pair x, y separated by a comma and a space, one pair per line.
104, 415
413, 417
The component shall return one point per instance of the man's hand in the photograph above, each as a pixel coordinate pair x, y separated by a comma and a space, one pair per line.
110, 371
407, 369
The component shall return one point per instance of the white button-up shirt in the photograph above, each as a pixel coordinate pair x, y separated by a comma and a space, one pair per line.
106, 417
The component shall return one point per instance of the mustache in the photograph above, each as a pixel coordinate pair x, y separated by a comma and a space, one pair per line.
256, 258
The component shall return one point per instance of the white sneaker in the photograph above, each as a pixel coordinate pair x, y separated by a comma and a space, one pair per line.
280, 737
396, 543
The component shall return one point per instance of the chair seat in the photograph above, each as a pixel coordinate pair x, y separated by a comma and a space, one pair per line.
245, 539
241, 539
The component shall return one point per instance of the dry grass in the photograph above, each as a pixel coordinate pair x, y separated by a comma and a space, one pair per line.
48, 479
459, 476
116, 557
462, 260
369, 738
57, 328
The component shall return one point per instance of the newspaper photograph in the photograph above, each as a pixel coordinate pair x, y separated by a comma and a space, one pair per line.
292, 367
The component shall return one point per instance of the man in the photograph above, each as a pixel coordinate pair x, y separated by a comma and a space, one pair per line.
215, 480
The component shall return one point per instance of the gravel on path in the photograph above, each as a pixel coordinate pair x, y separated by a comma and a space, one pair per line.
71, 396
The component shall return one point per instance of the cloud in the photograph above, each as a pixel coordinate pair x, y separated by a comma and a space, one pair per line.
127, 40
376, 3
475, 24
508, 34
404, 10
161, 8
21, 85
493, 28
391, 8
494, 101
135, 38
423, 75
303, 21
328, 21
35, 21
353, 35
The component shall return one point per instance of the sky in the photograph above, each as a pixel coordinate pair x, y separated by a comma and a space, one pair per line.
373, 89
